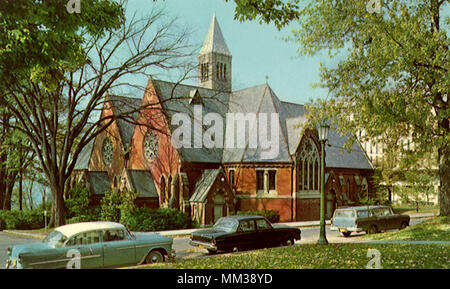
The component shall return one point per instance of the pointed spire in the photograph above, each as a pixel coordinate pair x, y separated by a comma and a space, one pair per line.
214, 41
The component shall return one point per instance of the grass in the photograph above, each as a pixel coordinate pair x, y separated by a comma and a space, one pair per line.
332, 256
341, 256
435, 229
412, 209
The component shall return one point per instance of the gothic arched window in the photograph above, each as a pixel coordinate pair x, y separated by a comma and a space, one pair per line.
308, 167
163, 189
169, 188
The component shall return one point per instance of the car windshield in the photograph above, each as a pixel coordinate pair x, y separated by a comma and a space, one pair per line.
225, 224
345, 213
55, 239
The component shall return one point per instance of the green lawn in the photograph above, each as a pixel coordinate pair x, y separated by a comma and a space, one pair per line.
341, 256
412, 210
436, 229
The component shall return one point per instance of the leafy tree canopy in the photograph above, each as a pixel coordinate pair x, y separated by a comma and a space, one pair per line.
39, 38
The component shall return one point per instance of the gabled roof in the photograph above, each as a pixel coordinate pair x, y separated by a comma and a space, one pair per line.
127, 110
142, 182
98, 182
214, 41
258, 100
176, 98
84, 157
204, 184
336, 156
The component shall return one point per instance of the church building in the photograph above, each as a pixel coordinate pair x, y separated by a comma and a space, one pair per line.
271, 163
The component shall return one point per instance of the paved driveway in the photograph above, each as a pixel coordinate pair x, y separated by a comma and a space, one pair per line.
181, 244
7, 240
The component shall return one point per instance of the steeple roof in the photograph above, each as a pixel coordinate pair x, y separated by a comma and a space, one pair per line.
214, 41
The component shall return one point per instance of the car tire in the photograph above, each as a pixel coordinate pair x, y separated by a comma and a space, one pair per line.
346, 234
212, 252
290, 241
373, 229
154, 257
403, 226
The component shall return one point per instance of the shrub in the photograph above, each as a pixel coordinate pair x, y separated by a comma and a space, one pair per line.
95, 216
145, 219
272, 216
78, 207
21, 220
110, 206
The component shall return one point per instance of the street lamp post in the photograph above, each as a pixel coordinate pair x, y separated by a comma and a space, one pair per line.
323, 136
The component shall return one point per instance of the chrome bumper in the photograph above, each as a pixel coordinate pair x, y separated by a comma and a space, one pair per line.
203, 245
346, 229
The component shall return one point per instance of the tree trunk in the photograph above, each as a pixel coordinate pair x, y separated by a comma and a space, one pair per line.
58, 207
444, 179
20, 192
30, 195
7, 197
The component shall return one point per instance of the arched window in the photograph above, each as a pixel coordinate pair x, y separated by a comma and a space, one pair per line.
163, 189
115, 182
308, 167
224, 72
169, 187
348, 189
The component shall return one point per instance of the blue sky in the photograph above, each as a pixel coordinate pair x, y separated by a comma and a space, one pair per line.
258, 50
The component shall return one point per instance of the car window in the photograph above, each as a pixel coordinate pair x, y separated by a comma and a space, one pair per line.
262, 225
363, 214
247, 226
113, 235
378, 212
386, 212
226, 224
55, 239
345, 213
84, 239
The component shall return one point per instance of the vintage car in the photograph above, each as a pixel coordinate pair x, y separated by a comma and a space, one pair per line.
92, 245
369, 219
239, 232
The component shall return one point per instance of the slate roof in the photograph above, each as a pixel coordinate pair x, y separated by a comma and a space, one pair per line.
256, 100
84, 157
204, 184
338, 157
126, 107
177, 98
142, 182
98, 182
214, 41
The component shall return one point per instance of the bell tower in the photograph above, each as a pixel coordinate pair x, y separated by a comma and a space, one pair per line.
214, 60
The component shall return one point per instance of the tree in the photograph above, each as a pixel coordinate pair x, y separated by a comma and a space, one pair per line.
394, 72
15, 158
280, 12
73, 62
